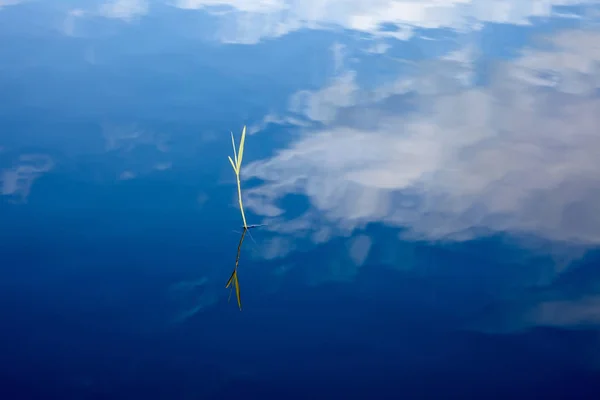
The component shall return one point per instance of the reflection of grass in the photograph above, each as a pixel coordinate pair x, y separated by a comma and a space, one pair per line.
234, 276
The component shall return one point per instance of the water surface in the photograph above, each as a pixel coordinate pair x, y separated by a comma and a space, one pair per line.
427, 173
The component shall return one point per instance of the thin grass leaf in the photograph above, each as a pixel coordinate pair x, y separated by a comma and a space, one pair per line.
232, 164
233, 144
241, 151
237, 292
231, 278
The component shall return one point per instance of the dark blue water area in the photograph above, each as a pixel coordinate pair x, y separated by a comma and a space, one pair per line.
86, 314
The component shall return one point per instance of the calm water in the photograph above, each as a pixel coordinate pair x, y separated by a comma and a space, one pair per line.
427, 173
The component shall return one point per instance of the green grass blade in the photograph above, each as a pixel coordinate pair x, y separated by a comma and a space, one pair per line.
237, 292
231, 278
234, 153
232, 164
241, 151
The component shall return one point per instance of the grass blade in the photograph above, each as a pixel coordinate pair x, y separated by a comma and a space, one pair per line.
232, 164
237, 291
236, 283
231, 278
241, 151
233, 144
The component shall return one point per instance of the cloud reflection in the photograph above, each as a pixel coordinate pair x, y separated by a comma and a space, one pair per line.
247, 21
16, 181
518, 155
572, 300
5, 3
124, 9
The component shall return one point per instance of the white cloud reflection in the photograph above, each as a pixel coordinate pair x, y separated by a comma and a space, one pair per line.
249, 21
519, 155
16, 181
559, 306
5, 3
124, 9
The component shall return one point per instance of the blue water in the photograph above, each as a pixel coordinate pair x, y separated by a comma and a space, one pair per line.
428, 185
